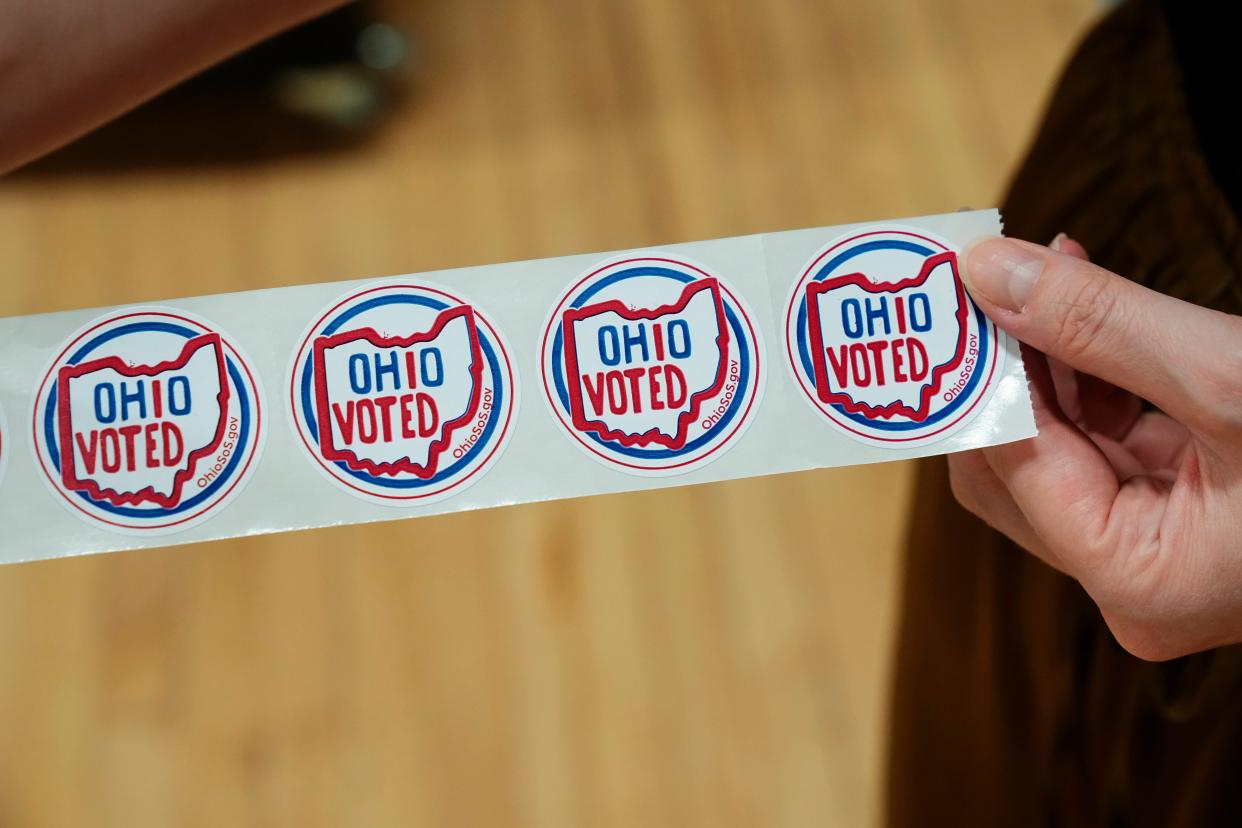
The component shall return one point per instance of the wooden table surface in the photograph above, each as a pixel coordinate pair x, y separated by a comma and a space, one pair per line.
711, 656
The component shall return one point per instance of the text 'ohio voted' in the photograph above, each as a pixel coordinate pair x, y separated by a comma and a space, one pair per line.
134, 433
642, 377
394, 404
148, 421
882, 349
402, 394
652, 364
884, 340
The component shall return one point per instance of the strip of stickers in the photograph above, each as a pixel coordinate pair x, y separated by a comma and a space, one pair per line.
345, 403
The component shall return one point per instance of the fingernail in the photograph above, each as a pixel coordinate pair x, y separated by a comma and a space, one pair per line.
1002, 271
1057, 242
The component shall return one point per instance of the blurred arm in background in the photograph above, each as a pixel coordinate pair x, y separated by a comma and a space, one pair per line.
67, 66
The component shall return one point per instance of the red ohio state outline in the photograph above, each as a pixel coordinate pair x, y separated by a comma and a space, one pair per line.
147, 495
819, 357
405, 464
654, 435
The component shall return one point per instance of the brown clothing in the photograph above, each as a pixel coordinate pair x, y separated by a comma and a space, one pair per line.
1013, 703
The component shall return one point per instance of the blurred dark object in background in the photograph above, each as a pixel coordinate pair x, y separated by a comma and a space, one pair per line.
324, 86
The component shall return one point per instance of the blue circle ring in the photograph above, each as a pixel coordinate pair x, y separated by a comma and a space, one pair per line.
235, 366
303, 398
803, 360
734, 315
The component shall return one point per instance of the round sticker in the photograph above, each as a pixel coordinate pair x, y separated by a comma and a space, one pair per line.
884, 340
148, 421
403, 394
652, 365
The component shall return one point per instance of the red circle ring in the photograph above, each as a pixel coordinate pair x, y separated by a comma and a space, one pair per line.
814, 398
293, 375
258, 425
543, 347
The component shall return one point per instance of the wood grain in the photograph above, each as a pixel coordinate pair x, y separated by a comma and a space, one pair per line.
716, 655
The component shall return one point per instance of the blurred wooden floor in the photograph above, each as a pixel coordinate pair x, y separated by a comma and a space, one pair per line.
710, 656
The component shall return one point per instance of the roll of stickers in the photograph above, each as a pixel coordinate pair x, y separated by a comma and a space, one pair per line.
267, 411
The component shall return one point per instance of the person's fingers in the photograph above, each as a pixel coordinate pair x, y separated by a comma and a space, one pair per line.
977, 488
1089, 402
1062, 482
1105, 408
1179, 356
1093, 404
1135, 442
1158, 442
1064, 244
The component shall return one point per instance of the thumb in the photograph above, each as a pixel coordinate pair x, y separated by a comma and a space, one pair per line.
1177, 355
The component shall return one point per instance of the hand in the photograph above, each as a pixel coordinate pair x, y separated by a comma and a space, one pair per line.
1143, 508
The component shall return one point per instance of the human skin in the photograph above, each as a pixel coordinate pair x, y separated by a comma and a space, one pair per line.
67, 66
1142, 507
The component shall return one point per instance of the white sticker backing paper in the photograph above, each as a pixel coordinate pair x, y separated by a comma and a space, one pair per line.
319, 405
